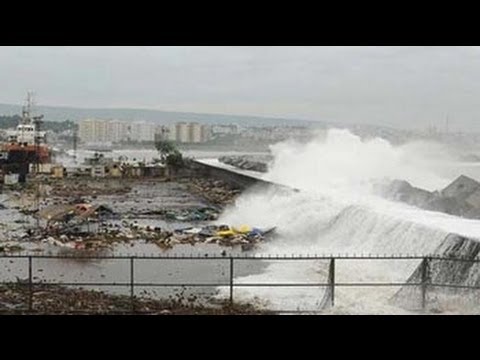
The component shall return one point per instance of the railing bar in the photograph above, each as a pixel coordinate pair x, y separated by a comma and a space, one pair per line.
331, 273
235, 285
132, 283
112, 284
325, 257
30, 284
456, 286
231, 281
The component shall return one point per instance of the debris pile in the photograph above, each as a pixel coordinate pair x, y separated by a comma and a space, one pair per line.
107, 234
68, 216
74, 213
215, 191
10, 247
192, 214
77, 188
104, 236
222, 235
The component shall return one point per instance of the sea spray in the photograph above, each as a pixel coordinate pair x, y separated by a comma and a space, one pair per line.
335, 212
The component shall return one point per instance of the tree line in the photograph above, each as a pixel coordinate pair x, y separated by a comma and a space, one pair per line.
9, 122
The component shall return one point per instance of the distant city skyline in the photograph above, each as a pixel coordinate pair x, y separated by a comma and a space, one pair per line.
406, 87
114, 131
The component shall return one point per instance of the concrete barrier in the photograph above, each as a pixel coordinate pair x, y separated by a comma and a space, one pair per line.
234, 179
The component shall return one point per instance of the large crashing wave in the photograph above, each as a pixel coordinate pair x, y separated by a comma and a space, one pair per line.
340, 159
336, 213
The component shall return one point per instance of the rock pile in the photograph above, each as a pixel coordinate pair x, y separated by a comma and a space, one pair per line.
244, 162
460, 198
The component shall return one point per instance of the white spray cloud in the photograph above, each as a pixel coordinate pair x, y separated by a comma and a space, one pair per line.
335, 212
343, 160
337, 170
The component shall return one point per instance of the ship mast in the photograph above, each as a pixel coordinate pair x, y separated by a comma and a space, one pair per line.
27, 109
37, 121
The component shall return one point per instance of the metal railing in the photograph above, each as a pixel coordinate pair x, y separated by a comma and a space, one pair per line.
331, 284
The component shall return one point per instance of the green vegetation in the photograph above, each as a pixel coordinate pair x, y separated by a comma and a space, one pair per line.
169, 153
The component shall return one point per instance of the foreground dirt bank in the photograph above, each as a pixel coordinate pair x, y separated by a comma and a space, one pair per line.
48, 299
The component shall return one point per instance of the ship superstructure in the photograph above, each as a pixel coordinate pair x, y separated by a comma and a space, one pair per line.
26, 144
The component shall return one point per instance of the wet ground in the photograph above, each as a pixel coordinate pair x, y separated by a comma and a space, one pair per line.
48, 299
151, 276
135, 206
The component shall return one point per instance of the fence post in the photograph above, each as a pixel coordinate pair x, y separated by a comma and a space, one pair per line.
231, 281
30, 284
331, 280
132, 284
424, 281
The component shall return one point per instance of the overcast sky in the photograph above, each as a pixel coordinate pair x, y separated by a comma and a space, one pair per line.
409, 87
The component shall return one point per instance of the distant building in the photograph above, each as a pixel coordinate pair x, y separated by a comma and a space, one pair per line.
225, 129
99, 131
114, 131
183, 132
205, 133
142, 131
118, 130
92, 130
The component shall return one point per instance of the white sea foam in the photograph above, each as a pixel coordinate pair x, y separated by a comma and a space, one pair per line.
335, 212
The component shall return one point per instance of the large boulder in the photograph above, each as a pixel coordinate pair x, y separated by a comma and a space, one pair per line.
401, 190
450, 205
462, 188
460, 198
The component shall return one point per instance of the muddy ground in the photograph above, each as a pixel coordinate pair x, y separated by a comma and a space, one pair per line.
144, 211
14, 299
148, 209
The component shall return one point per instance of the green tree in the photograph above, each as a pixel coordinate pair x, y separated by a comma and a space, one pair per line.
175, 159
169, 154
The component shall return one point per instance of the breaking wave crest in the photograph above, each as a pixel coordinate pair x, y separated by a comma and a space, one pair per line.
335, 212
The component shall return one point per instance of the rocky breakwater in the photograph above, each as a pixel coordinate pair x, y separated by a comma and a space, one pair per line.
247, 162
460, 198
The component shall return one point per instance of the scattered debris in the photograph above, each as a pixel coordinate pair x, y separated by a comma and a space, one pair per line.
74, 212
107, 234
79, 188
222, 235
215, 191
70, 217
61, 300
10, 247
192, 214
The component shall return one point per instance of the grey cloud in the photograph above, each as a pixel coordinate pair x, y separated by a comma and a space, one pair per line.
401, 86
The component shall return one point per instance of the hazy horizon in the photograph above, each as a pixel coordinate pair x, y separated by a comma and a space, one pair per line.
402, 87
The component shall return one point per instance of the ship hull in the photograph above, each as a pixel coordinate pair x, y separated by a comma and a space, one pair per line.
17, 153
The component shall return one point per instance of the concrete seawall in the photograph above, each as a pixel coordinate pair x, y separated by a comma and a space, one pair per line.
234, 179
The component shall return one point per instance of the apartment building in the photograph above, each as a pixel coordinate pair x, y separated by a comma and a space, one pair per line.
99, 130
191, 133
